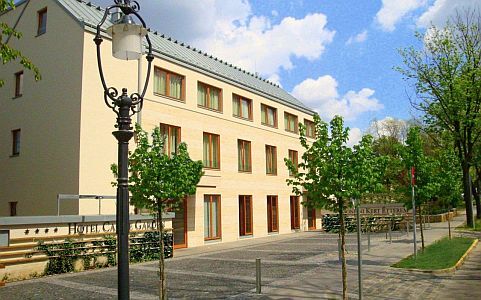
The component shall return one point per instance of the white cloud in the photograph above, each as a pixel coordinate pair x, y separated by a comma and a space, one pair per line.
442, 10
355, 135
322, 95
358, 38
392, 11
231, 31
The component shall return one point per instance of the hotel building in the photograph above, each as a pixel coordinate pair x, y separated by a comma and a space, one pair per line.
56, 133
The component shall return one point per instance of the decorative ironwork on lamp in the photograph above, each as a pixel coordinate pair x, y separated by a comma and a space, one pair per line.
126, 45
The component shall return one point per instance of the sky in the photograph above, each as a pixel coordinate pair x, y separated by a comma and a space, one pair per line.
337, 56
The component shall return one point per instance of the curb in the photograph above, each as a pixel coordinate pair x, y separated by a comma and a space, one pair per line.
451, 269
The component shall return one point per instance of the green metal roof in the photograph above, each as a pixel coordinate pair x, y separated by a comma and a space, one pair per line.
170, 49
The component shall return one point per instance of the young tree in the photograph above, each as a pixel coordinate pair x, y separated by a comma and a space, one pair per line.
330, 173
446, 74
159, 181
8, 53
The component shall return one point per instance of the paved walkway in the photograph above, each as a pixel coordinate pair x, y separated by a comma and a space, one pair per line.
294, 266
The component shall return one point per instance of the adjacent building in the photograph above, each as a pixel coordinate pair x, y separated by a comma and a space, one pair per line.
56, 133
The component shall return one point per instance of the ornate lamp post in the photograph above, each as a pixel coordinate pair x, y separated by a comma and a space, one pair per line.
127, 45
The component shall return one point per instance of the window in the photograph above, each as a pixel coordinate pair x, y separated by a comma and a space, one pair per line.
15, 142
13, 208
310, 128
290, 122
244, 151
268, 115
169, 84
294, 159
212, 228
241, 107
295, 212
211, 151
272, 214
209, 97
19, 84
271, 160
172, 138
42, 21
245, 215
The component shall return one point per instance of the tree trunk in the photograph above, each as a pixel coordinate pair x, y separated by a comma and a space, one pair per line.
467, 194
162, 286
477, 194
421, 226
343, 249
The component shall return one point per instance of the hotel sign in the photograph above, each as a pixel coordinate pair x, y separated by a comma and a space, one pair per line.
108, 227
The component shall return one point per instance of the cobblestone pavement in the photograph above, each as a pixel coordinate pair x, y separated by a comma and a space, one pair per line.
294, 266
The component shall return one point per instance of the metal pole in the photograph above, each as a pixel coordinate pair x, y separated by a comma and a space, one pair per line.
339, 249
258, 275
414, 223
123, 135
359, 249
407, 226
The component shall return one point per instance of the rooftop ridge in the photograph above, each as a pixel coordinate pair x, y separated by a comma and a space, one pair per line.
257, 82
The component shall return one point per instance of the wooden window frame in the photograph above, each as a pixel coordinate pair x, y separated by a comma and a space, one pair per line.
208, 106
219, 214
41, 29
18, 84
295, 209
167, 85
241, 144
296, 125
16, 137
243, 213
308, 124
265, 107
294, 157
271, 226
170, 129
211, 135
13, 208
274, 160
239, 107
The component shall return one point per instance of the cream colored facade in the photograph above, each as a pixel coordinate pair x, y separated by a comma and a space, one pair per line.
66, 141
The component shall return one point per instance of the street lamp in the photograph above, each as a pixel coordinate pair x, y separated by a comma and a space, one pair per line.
356, 203
126, 45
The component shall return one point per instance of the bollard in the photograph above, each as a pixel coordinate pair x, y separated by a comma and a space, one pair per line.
390, 234
258, 275
369, 239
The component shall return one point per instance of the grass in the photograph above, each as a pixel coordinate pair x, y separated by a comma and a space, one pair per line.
442, 254
477, 226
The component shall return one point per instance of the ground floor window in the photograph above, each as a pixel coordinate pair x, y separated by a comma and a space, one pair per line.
212, 228
245, 215
272, 214
295, 213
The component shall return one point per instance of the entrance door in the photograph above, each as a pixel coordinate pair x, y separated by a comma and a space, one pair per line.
295, 213
179, 223
311, 218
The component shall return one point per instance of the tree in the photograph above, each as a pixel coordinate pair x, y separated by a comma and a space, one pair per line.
159, 181
8, 53
446, 74
331, 173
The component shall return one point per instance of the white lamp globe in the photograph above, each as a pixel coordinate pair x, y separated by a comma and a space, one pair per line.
127, 39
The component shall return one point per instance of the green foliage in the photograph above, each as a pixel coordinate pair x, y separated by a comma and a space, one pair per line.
330, 172
8, 53
158, 180
331, 223
446, 73
62, 255
442, 254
